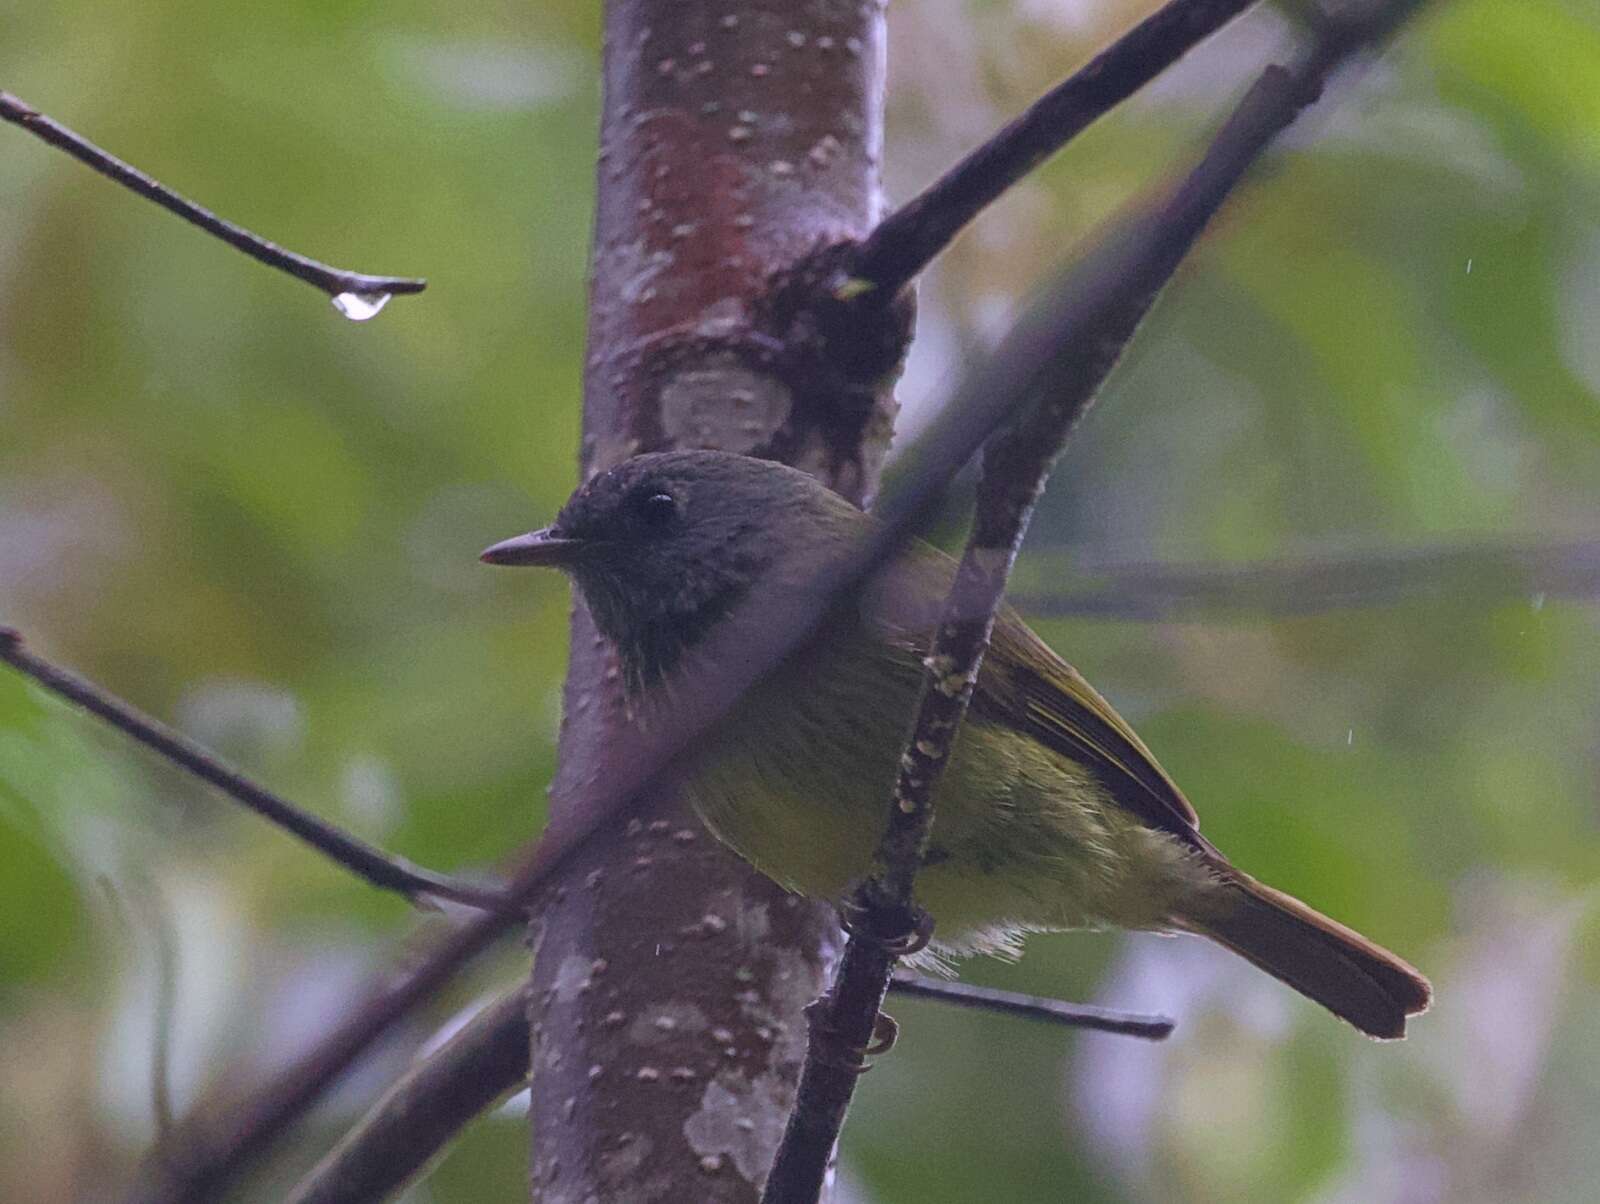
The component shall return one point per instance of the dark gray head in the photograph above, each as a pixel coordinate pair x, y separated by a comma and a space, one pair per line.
664, 545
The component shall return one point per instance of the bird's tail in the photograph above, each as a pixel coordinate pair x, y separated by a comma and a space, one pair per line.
1352, 977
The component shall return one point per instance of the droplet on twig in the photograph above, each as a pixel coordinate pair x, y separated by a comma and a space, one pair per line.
358, 307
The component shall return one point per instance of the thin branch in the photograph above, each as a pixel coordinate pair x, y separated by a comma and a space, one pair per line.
1321, 582
909, 239
1030, 1007
358, 291
1016, 464
220, 1138
373, 864
418, 1116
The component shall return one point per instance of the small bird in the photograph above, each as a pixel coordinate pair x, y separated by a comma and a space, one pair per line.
1051, 815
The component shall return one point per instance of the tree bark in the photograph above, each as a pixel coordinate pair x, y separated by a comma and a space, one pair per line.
739, 143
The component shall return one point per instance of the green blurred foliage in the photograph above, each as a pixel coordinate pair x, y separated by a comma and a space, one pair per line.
260, 521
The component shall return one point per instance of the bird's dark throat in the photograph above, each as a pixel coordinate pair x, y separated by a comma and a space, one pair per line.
655, 624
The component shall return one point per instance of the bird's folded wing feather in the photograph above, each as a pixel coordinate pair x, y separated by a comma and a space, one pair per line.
1024, 684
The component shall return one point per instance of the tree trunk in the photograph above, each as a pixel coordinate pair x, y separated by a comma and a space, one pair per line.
738, 142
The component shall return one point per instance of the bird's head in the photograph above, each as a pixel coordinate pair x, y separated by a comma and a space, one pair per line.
663, 546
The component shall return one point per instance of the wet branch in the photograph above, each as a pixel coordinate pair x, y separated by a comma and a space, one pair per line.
1072, 359
909, 239
372, 864
366, 294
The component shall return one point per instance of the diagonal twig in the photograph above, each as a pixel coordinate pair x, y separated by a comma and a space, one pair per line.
1016, 464
909, 239
356, 294
419, 1115
373, 864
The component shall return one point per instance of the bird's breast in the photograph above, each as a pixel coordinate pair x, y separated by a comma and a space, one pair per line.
799, 776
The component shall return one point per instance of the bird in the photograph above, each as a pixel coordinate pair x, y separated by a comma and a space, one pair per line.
1052, 814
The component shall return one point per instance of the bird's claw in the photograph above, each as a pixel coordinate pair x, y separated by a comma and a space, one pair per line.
885, 1032
863, 924
834, 1051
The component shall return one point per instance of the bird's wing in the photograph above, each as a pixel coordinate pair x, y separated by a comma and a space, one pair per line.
1025, 685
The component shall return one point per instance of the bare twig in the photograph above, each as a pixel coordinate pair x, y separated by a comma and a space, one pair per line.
430, 1103
1323, 581
1030, 1007
906, 241
1016, 464
358, 292
373, 864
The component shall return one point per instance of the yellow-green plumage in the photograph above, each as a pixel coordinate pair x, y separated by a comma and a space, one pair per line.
1052, 814
1025, 839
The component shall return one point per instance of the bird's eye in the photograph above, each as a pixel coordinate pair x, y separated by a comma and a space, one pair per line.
655, 511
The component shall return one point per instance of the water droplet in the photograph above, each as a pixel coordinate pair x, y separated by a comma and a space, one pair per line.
358, 307
1350, 737
1537, 601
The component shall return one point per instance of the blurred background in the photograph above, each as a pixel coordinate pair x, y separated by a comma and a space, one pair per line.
1331, 540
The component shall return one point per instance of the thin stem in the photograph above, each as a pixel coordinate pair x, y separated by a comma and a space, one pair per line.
1030, 1007
164, 937
1067, 367
419, 1115
909, 239
1324, 581
377, 867
331, 280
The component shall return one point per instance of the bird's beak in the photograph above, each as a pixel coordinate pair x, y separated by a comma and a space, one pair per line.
541, 547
